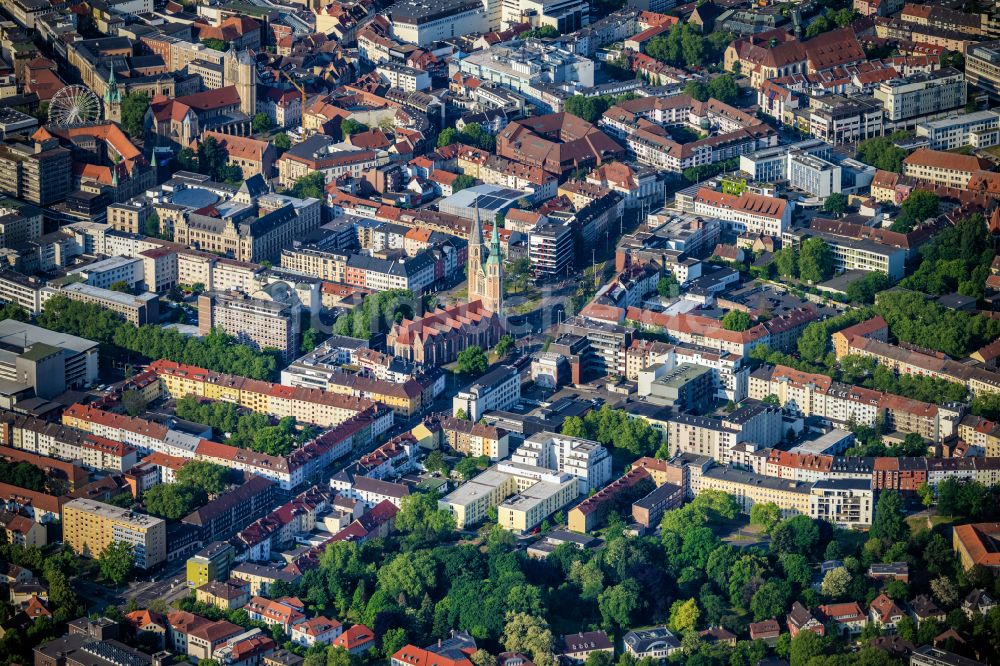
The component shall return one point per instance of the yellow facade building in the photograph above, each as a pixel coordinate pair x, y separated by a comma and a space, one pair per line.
89, 527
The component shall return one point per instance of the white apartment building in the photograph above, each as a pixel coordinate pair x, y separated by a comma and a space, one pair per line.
845, 502
496, 390
403, 77
586, 460
979, 130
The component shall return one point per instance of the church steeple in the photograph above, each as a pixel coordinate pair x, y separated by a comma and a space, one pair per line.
112, 97
485, 277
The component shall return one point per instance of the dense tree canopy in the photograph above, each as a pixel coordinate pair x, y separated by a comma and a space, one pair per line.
216, 351
882, 153
612, 427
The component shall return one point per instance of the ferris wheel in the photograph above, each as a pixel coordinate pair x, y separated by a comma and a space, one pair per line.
74, 105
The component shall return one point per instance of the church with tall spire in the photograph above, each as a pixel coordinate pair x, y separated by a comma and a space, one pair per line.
485, 268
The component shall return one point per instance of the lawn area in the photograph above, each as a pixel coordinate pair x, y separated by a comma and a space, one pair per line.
993, 150
918, 523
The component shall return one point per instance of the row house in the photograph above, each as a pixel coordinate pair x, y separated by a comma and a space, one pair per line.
277, 530
811, 394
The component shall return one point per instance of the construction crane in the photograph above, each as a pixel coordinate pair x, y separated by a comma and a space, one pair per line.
301, 90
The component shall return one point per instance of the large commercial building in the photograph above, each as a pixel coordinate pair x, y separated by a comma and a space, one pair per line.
89, 527
45, 362
526, 67
745, 213
982, 68
909, 99
424, 23
252, 321
980, 129
551, 247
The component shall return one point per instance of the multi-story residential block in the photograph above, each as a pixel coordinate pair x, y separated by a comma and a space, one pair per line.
259, 323
498, 389
779, 332
89, 527
34, 435
474, 439
644, 125
38, 173
755, 423
911, 362
24, 290
876, 328
587, 461
222, 516
845, 502
211, 563
415, 273
851, 253
315, 406
818, 395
